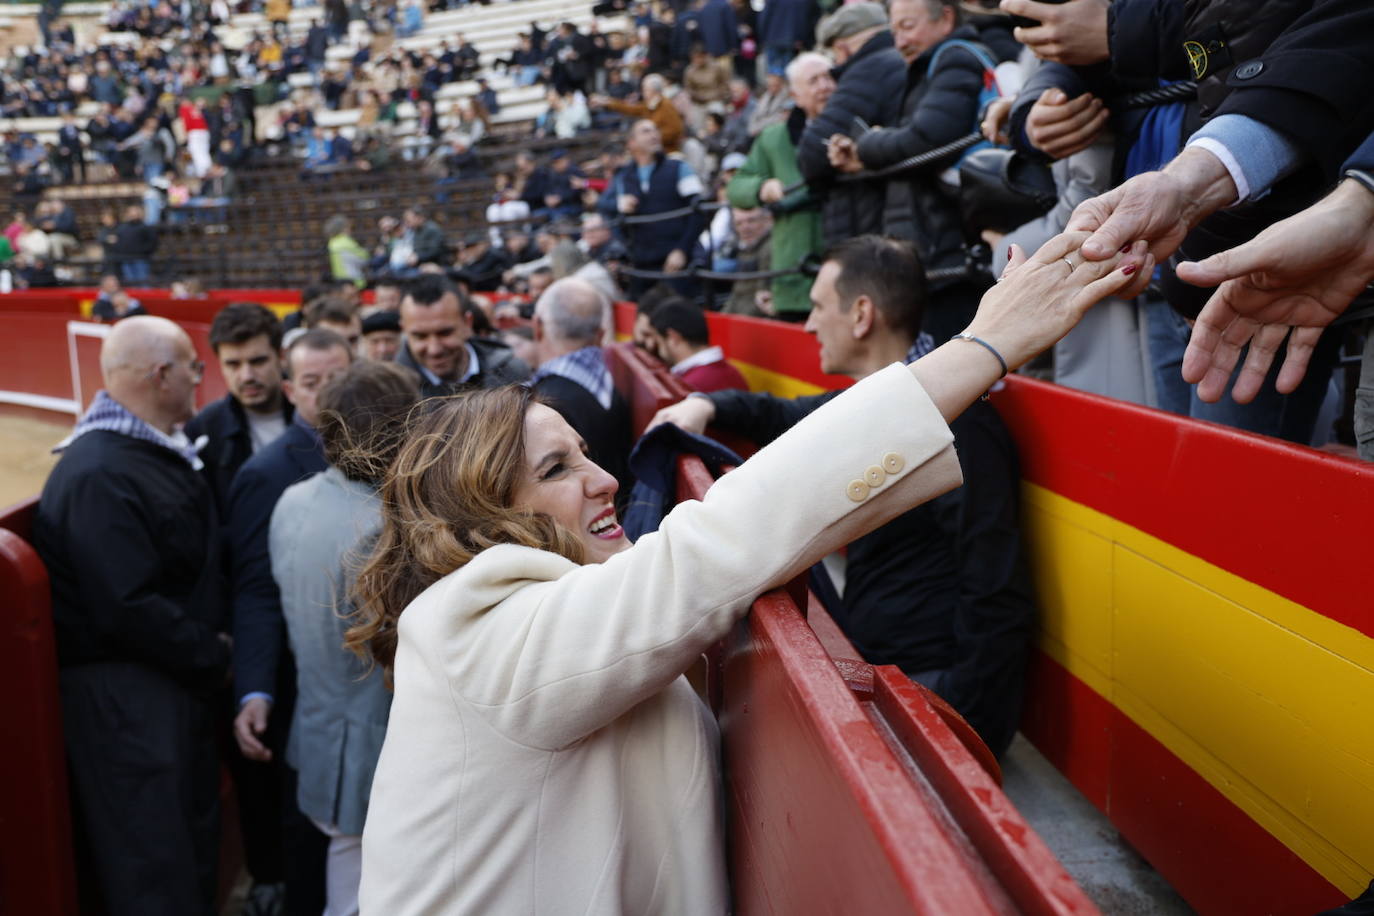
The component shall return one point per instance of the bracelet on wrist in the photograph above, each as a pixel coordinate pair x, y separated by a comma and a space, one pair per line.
991, 349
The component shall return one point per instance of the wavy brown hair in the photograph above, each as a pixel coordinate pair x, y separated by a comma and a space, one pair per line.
447, 497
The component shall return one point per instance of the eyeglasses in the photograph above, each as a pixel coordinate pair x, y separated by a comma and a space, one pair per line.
196, 366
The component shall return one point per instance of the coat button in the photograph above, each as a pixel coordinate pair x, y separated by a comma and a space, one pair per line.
875, 476
857, 490
1249, 70
893, 463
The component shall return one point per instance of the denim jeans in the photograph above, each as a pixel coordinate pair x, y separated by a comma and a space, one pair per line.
1364, 398
1291, 416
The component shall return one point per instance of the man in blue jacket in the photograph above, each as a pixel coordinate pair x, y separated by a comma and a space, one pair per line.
653, 183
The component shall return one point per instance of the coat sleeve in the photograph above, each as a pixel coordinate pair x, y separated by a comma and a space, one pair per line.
743, 189
556, 660
759, 416
258, 624
120, 582
947, 111
1313, 82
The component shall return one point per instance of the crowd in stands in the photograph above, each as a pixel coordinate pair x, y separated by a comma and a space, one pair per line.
770, 145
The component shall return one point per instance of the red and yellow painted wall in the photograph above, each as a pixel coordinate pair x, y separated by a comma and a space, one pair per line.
1205, 664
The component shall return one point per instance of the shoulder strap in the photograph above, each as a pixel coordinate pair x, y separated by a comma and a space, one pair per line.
977, 50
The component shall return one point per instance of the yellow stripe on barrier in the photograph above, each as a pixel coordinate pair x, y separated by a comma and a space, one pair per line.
784, 386
1270, 702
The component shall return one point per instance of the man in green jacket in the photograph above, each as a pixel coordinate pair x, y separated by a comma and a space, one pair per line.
771, 168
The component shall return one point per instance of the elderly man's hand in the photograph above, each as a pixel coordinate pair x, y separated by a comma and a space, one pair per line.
1073, 33
771, 191
676, 260
1060, 126
1300, 274
691, 415
843, 154
994, 123
1159, 207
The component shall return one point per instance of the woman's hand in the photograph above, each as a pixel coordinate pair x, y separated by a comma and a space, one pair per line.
1041, 298
1037, 301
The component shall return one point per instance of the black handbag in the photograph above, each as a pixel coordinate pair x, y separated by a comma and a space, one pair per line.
1000, 189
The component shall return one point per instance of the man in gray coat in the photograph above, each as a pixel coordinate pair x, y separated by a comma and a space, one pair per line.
321, 529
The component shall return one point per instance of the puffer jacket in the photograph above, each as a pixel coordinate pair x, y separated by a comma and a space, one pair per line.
868, 86
935, 110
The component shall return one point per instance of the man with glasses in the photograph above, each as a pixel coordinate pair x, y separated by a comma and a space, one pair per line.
127, 529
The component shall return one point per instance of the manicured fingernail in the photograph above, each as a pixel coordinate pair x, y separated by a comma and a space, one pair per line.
1009, 253
1128, 269
1126, 247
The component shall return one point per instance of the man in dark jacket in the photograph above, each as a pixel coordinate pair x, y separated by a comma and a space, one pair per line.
943, 84
652, 183
425, 237
264, 674
441, 347
943, 590
246, 338
785, 28
135, 243
869, 82
569, 323
127, 530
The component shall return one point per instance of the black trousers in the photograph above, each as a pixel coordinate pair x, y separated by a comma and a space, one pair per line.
144, 767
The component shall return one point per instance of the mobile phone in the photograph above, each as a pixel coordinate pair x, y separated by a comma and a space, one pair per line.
1025, 22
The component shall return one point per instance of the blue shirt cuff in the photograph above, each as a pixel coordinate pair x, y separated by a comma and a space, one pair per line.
253, 695
1256, 155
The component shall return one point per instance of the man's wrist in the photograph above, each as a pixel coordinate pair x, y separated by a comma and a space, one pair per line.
1205, 185
255, 695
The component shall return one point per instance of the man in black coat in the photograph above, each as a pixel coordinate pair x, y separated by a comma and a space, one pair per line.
246, 338
570, 320
944, 81
264, 673
128, 532
135, 243
441, 347
943, 590
870, 80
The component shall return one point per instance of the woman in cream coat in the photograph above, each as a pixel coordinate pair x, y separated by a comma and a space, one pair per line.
544, 753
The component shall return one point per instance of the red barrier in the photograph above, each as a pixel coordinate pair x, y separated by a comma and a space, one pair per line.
50, 361
37, 874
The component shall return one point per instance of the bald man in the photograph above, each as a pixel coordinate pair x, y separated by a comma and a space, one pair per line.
127, 529
570, 322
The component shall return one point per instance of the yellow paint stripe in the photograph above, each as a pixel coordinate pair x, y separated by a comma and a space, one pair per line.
784, 386
1267, 700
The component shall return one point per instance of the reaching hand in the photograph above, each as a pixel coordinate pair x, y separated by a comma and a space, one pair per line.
1073, 33
691, 415
1059, 126
1041, 298
248, 725
676, 260
771, 191
1300, 274
994, 123
1159, 207
843, 154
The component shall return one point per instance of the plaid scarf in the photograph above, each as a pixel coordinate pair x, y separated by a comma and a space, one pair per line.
108, 414
585, 367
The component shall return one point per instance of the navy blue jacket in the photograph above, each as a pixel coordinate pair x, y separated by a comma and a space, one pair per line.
230, 445
717, 28
650, 243
259, 631
788, 23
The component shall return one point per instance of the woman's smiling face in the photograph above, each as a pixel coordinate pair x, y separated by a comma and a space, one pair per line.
562, 482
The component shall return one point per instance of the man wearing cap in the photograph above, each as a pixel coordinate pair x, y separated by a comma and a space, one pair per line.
944, 82
381, 335
480, 266
771, 168
870, 78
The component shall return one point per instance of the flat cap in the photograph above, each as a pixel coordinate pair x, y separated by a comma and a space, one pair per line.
849, 19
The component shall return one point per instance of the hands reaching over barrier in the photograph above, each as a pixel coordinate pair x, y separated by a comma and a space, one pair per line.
1073, 33
1158, 207
1060, 126
1300, 274
843, 154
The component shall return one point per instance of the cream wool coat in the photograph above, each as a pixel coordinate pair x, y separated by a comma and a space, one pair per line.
544, 753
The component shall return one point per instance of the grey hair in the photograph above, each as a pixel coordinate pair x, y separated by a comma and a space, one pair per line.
336, 225
565, 258
573, 310
801, 60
